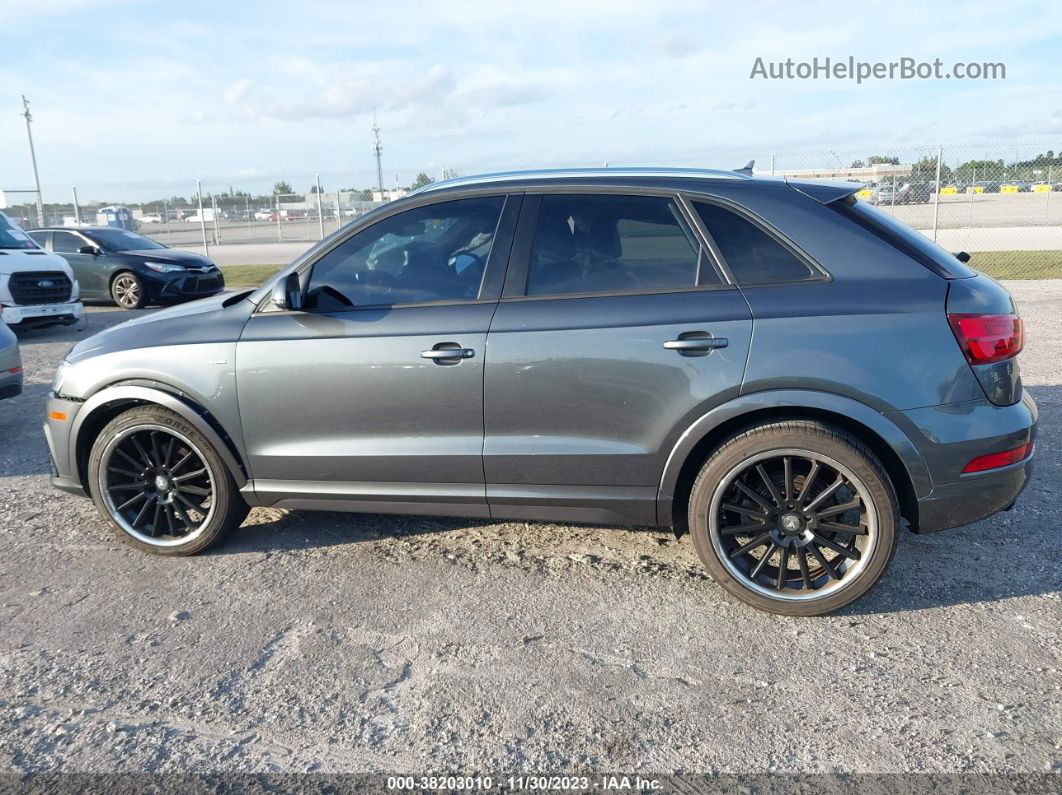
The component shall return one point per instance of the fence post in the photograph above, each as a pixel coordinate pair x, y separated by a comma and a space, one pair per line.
339, 211
320, 209
247, 214
77, 210
217, 228
280, 232
772, 164
202, 220
936, 201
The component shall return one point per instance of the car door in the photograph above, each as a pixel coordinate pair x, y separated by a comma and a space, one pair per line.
371, 395
616, 330
89, 270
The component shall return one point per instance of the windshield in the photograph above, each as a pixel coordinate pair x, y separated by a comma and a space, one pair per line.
12, 236
121, 240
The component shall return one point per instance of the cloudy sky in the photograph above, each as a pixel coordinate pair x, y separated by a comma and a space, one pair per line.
131, 97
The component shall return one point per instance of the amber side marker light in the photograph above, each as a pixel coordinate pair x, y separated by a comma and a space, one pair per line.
57, 415
997, 460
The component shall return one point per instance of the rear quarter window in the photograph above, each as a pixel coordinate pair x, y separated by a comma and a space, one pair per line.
754, 256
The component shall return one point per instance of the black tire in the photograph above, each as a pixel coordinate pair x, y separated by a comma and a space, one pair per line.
842, 472
127, 291
156, 453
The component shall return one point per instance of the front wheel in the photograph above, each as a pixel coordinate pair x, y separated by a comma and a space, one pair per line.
127, 291
796, 517
161, 484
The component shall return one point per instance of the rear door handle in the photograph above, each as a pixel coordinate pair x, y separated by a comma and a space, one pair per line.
696, 344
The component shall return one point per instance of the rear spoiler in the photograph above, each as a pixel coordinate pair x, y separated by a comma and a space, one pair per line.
825, 192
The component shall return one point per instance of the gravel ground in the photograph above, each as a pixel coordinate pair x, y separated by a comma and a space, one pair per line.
331, 642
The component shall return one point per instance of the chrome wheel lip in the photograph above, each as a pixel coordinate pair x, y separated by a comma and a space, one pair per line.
852, 573
127, 292
102, 484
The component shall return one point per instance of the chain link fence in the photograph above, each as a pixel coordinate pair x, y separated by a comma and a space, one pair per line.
999, 202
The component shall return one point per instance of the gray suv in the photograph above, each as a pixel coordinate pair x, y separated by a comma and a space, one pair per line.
783, 372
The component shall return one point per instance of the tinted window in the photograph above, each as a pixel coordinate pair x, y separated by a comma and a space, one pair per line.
433, 253
122, 240
66, 243
39, 237
754, 256
11, 236
593, 244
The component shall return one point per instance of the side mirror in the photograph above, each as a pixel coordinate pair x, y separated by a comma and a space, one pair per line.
962, 256
287, 294
89, 250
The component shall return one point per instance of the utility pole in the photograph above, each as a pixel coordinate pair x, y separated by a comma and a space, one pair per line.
377, 150
33, 158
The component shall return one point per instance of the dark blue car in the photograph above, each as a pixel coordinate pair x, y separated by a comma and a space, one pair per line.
130, 269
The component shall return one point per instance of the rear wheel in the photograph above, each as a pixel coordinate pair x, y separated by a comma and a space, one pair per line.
161, 484
796, 517
127, 291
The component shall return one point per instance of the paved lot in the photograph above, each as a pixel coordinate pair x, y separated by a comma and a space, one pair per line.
315, 641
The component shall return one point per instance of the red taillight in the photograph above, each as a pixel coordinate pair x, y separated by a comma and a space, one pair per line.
997, 460
988, 338
15, 370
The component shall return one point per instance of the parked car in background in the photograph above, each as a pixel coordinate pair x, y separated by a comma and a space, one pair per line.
788, 374
903, 193
988, 186
151, 218
36, 288
129, 269
10, 363
265, 215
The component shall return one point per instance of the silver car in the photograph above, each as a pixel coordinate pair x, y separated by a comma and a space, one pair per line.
10, 363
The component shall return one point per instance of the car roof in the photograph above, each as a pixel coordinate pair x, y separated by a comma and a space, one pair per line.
83, 228
646, 177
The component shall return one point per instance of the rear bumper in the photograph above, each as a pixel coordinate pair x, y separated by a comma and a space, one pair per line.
951, 436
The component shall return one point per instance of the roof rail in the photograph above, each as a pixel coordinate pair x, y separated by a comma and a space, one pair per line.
563, 173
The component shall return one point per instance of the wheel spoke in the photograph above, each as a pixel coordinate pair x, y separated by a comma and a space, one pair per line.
828, 491
763, 561
762, 538
129, 458
190, 475
188, 523
178, 496
756, 498
771, 489
169, 451
143, 511
154, 437
802, 561
728, 506
141, 451
742, 529
182, 462
808, 481
851, 554
833, 510
128, 473
155, 521
138, 496
837, 527
783, 569
787, 463
194, 490
127, 486
823, 562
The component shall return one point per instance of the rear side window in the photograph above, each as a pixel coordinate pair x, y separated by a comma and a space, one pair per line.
66, 243
597, 244
753, 255
40, 238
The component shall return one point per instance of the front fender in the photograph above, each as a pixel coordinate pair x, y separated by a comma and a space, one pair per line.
145, 394
778, 400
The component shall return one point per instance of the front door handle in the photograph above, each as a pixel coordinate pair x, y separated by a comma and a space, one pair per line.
448, 352
686, 344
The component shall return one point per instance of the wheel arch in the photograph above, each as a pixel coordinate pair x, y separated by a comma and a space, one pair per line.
901, 459
108, 403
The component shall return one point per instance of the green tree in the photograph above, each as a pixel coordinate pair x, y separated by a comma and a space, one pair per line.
875, 160
421, 180
282, 187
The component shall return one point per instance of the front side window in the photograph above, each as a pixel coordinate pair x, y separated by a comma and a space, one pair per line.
753, 255
66, 243
594, 244
40, 237
433, 253
12, 236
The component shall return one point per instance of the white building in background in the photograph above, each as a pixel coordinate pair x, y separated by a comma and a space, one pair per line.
388, 195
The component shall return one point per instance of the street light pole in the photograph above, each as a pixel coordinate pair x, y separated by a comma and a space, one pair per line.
33, 158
